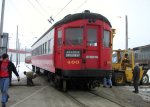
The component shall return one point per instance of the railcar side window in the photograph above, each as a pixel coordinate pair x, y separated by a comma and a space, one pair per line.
59, 38
106, 38
49, 45
74, 36
45, 47
40, 49
92, 37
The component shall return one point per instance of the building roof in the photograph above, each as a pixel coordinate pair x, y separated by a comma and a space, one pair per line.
142, 47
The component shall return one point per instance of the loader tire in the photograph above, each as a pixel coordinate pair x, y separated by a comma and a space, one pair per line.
119, 78
145, 79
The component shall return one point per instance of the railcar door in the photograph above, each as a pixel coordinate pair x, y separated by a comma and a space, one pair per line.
91, 50
58, 52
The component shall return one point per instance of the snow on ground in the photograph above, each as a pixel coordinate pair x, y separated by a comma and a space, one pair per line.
149, 75
144, 91
21, 68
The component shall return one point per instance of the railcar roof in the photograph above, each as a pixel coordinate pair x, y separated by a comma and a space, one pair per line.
84, 15
78, 16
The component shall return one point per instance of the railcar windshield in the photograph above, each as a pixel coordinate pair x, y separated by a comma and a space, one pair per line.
74, 36
92, 37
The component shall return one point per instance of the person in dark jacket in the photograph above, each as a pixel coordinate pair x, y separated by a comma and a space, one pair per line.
6, 68
30, 75
136, 76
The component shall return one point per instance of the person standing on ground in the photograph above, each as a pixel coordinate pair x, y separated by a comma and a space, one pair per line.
6, 68
30, 75
136, 76
107, 80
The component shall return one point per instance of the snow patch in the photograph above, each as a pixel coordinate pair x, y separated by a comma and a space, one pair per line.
149, 75
21, 68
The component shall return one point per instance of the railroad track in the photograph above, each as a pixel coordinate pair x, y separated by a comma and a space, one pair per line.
74, 96
75, 100
89, 98
107, 99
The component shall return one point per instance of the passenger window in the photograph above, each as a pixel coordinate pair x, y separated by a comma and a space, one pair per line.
106, 39
45, 47
49, 45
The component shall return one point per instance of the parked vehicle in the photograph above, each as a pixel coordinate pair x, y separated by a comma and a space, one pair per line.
78, 47
123, 65
142, 56
28, 59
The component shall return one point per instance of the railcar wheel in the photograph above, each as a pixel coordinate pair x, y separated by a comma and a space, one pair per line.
64, 88
33, 68
50, 77
37, 70
88, 86
57, 82
93, 85
145, 79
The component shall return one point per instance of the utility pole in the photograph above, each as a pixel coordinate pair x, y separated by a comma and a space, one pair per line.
1, 24
126, 41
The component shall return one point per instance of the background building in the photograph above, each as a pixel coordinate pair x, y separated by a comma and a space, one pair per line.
21, 55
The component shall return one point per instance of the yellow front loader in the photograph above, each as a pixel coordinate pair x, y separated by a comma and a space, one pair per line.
123, 65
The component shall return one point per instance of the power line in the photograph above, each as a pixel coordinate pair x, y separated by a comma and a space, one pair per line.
35, 7
50, 20
41, 6
20, 15
80, 6
63, 8
46, 14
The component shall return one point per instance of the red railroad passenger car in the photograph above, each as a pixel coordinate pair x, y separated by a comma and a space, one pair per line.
28, 59
76, 47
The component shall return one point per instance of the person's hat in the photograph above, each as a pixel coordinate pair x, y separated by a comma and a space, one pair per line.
24, 72
136, 64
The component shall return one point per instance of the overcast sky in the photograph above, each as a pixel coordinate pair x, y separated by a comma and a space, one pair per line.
31, 17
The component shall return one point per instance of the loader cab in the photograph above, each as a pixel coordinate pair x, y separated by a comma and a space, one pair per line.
126, 60
122, 59
117, 57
